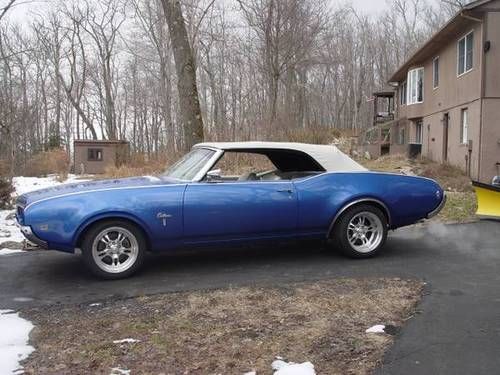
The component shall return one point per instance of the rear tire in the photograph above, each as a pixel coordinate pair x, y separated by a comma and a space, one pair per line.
113, 249
360, 232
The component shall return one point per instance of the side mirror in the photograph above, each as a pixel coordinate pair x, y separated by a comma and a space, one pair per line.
214, 175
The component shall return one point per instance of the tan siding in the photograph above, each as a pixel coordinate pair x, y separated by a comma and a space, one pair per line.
490, 151
433, 137
94, 167
492, 58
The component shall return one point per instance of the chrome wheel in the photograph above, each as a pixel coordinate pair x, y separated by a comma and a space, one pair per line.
365, 232
115, 249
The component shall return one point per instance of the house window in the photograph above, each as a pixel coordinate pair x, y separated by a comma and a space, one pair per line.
402, 93
435, 73
418, 132
94, 154
464, 128
465, 53
415, 86
401, 136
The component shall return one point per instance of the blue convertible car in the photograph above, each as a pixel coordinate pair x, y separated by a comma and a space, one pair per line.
283, 191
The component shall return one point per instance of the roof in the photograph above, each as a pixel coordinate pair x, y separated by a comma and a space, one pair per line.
430, 48
100, 142
328, 156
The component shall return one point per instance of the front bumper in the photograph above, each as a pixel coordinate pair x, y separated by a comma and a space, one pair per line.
438, 208
30, 236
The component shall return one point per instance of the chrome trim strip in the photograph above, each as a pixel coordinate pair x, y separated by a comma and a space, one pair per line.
438, 209
243, 182
150, 187
362, 200
208, 166
104, 189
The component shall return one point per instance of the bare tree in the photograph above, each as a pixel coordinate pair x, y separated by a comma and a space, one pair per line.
103, 24
74, 89
189, 103
5, 9
165, 74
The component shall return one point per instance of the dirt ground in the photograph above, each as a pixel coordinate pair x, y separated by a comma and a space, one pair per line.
229, 331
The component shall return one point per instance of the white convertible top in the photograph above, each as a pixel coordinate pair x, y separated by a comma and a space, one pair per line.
328, 156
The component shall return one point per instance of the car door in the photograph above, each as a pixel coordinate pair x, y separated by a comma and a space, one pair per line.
239, 210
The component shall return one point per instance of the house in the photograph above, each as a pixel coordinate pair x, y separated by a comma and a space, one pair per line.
93, 157
447, 96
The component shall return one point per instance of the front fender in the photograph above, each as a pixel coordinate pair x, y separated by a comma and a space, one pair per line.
109, 215
60, 221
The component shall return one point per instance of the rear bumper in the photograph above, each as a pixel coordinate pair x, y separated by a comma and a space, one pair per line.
438, 208
30, 236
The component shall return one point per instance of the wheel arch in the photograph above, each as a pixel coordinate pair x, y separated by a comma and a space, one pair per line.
368, 200
89, 223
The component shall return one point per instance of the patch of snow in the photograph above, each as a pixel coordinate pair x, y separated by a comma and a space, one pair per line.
10, 252
13, 341
126, 341
119, 371
25, 185
284, 368
23, 299
9, 232
8, 229
95, 304
379, 328
250, 373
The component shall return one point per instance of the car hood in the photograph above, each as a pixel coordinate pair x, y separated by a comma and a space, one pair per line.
84, 186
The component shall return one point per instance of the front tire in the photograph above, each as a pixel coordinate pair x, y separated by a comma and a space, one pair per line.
114, 249
360, 232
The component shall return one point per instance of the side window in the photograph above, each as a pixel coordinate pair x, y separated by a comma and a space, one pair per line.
401, 136
415, 86
243, 166
465, 54
94, 154
464, 128
435, 73
402, 94
418, 132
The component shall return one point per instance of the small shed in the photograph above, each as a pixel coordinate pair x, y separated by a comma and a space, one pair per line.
94, 157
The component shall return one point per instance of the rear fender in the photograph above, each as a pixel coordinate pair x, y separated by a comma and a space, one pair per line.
355, 202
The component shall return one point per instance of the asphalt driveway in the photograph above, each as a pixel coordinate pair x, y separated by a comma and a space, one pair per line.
457, 329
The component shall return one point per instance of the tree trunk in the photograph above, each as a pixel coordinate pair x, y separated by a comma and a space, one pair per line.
189, 103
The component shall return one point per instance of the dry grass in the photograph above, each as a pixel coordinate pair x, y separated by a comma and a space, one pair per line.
460, 207
226, 331
141, 165
6, 190
448, 176
388, 163
313, 135
237, 164
55, 161
4, 168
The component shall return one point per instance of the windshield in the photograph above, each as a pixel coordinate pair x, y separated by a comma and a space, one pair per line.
189, 166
